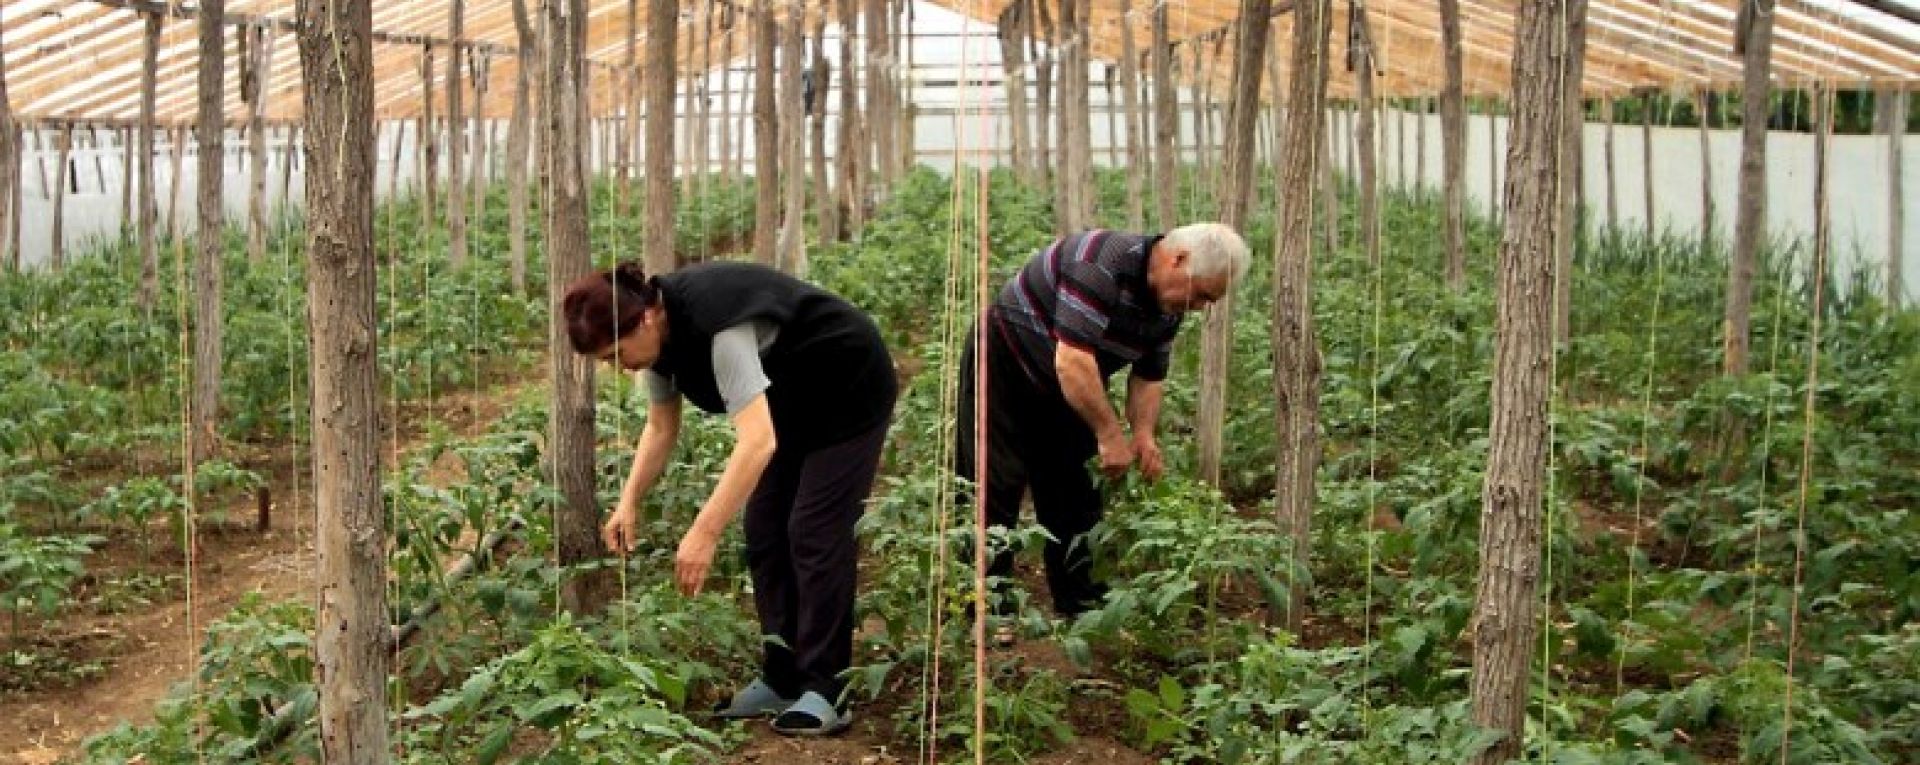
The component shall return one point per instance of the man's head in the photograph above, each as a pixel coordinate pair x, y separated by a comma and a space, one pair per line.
1195, 265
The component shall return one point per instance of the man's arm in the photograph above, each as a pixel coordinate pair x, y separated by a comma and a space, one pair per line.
1143, 413
1080, 382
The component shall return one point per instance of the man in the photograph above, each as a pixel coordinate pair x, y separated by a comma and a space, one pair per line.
1080, 310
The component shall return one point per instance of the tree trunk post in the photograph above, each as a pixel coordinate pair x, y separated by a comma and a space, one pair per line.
61, 175
1709, 227
178, 138
1013, 39
1646, 165
847, 174
1613, 186
209, 272
256, 71
149, 253
1296, 349
825, 211
480, 71
1166, 186
1572, 162
1505, 620
793, 141
663, 22
879, 91
519, 140
728, 171
1360, 61
456, 138
429, 142
1896, 130
1453, 145
336, 57
1754, 37
569, 254
9, 170
766, 136
1137, 162
1045, 43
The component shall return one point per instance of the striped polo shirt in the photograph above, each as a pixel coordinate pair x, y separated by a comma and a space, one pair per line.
1088, 290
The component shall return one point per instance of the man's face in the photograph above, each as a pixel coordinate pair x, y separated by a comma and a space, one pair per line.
1178, 291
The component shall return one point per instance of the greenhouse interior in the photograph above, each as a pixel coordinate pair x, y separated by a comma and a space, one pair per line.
1506, 381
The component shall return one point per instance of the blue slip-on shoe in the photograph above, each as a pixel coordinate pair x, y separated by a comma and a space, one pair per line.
813, 716
756, 700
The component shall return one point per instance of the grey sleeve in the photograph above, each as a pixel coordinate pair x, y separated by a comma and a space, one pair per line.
660, 388
736, 362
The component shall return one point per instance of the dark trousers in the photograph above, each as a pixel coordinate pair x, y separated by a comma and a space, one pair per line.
1037, 442
803, 559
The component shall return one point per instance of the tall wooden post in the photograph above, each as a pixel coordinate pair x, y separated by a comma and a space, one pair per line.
179, 140
208, 272
256, 70
793, 136
149, 253
1896, 130
1613, 188
1709, 226
1753, 36
1137, 161
61, 177
1296, 348
429, 142
480, 71
1360, 61
519, 141
825, 211
766, 137
1044, 140
9, 170
1572, 162
1236, 195
1166, 185
336, 57
850, 193
128, 173
879, 91
1013, 38
1506, 608
1646, 164
456, 138
728, 170
1066, 186
663, 23
1495, 191
569, 256
1453, 145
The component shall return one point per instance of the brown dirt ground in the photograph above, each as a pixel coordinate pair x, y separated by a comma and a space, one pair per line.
146, 651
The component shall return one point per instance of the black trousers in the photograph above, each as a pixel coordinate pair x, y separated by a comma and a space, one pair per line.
1037, 442
803, 560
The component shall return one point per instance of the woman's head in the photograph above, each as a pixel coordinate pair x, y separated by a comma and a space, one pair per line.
615, 316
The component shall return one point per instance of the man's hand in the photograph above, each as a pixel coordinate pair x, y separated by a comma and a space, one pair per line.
1152, 464
618, 532
695, 557
1116, 454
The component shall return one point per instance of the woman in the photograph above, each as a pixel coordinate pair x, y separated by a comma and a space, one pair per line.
810, 389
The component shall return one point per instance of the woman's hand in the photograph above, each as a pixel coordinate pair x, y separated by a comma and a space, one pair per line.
695, 558
618, 532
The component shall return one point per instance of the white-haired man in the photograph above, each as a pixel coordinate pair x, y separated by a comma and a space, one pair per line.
1077, 312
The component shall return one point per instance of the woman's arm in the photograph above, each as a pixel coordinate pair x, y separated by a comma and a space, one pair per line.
753, 448
649, 462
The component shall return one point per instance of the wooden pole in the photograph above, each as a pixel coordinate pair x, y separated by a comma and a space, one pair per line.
1296, 347
1236, 196
826, 212
178, 138
256, 71
766, 137
703, 155
1709, 227
1044, 43
879, 92
1572, 160
1360, 61
1494, 190
9, 171
1165, 182
290, 160
128, 216
849, 154
1646, 164
1506, 605
480, 71
61, 175
1755, 39
149, 253
456, 139
519, 142
1420, 147
1896, 197
1453, 145
210, 249
793, 135
623, 173
429, 142
728, 169
663, 23
1113, 119
336, 56
1013, 38
1136, 131
1613, 188
569, 254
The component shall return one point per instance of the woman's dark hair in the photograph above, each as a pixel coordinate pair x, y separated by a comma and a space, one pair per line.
604, 306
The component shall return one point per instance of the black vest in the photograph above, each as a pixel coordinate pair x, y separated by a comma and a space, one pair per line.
831, 377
